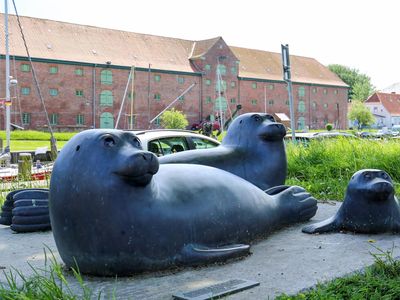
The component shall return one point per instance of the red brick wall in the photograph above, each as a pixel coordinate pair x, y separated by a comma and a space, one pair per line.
194, 105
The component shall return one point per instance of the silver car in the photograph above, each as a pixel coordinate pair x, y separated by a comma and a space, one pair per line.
166, 141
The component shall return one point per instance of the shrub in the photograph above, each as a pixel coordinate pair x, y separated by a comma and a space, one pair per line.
329, 126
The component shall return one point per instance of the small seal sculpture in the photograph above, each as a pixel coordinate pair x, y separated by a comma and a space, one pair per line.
368, 207
115, 210
253, 149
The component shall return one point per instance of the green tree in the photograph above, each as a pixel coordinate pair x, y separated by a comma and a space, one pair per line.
360, 113
360, 84
174, 119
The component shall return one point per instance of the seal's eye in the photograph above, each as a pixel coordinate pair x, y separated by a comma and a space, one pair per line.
367, 176
109, 141
385, 176
137, 143
257, 118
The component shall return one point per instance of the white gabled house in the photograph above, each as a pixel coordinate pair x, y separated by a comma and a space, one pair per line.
385, 107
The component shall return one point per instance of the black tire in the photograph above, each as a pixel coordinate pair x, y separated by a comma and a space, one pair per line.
5, 220
31, 220
6, 208
31, 202
30, 228
31, 194
6, 214
30, 211
9, 202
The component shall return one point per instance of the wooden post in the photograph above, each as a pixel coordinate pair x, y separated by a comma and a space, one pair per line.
25, 166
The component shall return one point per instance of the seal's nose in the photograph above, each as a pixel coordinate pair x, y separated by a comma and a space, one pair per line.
273, 131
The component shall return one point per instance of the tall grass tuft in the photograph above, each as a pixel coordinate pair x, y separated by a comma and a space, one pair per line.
45, 284
324, 167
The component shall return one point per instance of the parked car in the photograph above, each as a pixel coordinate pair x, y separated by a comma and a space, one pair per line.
306, 137
166, 141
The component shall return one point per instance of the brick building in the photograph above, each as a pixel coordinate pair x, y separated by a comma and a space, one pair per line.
83, 74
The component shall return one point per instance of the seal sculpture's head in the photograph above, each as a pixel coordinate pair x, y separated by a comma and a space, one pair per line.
253, 149
254, 128
369, 206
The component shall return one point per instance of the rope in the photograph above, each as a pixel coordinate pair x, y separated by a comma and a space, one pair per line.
34, 73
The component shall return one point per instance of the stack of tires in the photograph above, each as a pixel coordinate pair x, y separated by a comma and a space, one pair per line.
26, 210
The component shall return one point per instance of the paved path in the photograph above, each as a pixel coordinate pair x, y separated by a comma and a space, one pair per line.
287, 261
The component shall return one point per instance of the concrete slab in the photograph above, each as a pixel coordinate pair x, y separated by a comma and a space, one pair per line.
286, 262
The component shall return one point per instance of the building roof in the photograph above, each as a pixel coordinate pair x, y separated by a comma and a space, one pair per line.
56, 40
391, 102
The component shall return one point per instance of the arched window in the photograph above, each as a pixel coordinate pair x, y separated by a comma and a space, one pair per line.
301, 107
106, 120
301, 123
106, 77
106, 98
221, 69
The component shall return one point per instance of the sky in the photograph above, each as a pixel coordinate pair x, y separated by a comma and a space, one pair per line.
360, 34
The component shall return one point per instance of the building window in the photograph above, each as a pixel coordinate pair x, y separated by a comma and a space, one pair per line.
271, 102
208, 100
233, 100
106, 77
53, 70
314, 90
80, 119
302, 91
157, 96
53, 92
254, 85
254, 101
301, 106
207, 67
271, 86
26, 118
181, 98
325, 91
326, 105
233, 84
220, 86
335, 92
157, 121
106, 120
79, 93
181, 80
314, 105
208, 82
301, 124
157, 78
287, 102
234, 70
106, 98
25, 68
53, 119
221, 69
25, 90
79, 72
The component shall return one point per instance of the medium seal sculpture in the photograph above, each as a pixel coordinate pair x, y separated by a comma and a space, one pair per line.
115, 210
369, 206
253, 149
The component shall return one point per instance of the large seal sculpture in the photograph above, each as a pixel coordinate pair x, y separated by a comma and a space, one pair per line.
368, 207
115, 210
253, 149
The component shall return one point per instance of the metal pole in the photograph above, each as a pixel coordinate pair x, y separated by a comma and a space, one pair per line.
219, 82
265, 99
132, 97
287, 79
123, 100
8, 100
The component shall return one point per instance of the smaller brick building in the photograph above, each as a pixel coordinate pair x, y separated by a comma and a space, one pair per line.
83, 75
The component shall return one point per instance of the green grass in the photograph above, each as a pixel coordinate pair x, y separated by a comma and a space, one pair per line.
324, 167
36, 135
46, 284
379, 281
31, 145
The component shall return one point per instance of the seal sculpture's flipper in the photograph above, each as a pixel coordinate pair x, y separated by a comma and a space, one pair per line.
323, 226
198, 254
276, 189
